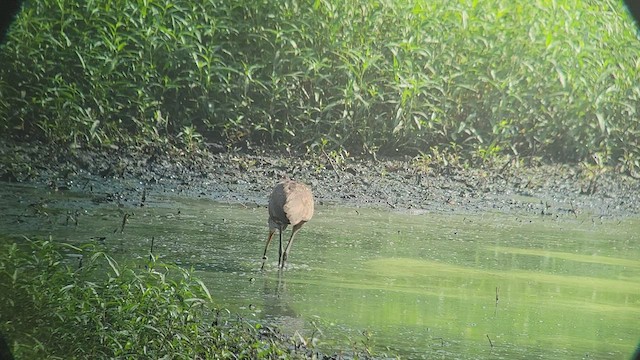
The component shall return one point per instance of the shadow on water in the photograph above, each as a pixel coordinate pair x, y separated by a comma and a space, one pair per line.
276, 304
423, 285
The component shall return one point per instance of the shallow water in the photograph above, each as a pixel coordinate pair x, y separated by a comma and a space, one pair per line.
423, 285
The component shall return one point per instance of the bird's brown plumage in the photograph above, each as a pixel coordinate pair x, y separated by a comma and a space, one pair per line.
290, 203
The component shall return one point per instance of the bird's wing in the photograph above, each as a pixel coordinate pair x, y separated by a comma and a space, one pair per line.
298, 206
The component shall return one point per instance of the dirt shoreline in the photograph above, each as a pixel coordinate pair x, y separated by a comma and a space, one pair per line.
243, 177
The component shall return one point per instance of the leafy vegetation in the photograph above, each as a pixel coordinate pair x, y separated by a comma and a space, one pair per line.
58, 307
480, 79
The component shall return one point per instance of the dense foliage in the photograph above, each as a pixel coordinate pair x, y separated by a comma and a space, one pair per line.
53, 306
559, 79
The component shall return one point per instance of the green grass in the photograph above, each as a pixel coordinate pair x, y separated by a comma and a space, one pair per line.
482, 79
54, 307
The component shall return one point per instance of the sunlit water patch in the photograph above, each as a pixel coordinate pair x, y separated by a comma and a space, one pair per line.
419, 285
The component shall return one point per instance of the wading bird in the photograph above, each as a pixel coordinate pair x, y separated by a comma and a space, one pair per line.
290, 203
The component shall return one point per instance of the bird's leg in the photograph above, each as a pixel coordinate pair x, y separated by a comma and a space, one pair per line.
264, 256
295, 229
280, 251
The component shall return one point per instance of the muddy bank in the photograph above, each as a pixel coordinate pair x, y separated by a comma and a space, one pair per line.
395, 184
